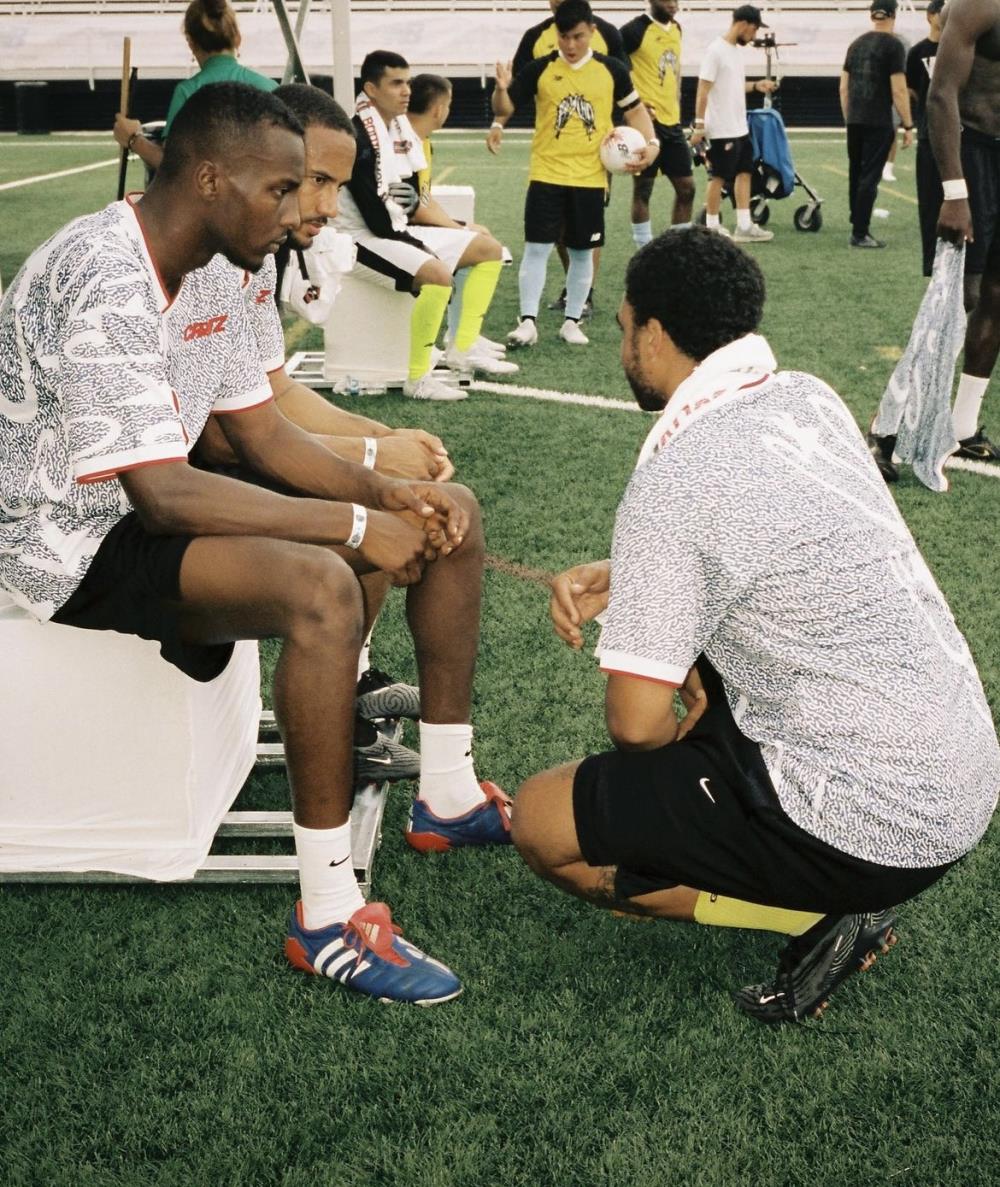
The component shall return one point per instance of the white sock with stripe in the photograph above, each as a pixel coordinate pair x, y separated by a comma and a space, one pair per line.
328, 887
968, 402
448, 783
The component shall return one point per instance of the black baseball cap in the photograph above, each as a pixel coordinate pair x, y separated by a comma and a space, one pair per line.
751, 14
883, 8
935, 6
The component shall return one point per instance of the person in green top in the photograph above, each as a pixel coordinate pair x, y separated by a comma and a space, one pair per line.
213, 36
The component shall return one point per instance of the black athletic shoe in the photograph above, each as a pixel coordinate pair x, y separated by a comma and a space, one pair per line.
380, 696
978, 448
881, 450
559, 303
868, 241
814, 964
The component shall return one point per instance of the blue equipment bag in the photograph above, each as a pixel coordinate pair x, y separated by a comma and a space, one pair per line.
770, 147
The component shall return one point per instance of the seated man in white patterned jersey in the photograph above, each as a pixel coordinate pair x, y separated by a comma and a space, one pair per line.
808, 790
118, 338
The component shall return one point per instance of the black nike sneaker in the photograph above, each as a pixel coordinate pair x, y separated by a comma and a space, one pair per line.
978, 448
815, 963
380, 696
378, 759
881, 450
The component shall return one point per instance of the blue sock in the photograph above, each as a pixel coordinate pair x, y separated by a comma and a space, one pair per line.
531, 276
579, 278
455, 304
642, 233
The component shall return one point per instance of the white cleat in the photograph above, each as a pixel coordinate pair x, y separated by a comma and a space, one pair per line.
526, 333
488, 346
429, 388
473, 360
721, 230
571, 333
754, 235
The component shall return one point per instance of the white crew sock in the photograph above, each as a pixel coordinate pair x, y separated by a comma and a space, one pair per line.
642, 233
329, 890
743, 220
711, 220
447, 776
968, 402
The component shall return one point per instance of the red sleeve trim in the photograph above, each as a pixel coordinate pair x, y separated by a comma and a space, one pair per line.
104, 475
636, 676
245, 408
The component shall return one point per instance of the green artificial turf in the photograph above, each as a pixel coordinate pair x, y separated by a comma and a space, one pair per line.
154, 1034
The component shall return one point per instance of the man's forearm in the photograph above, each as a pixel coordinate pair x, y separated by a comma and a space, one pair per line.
901, 100
310, 411
701, 100
179, 500
503, 108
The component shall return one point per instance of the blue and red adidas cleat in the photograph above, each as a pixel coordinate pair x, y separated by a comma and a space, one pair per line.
369, 954
488, 824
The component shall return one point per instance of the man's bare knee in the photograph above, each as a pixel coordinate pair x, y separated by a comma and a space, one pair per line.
542, 825
324, 593
432, 272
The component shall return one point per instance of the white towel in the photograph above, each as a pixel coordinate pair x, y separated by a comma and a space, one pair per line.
313, 277
916, 405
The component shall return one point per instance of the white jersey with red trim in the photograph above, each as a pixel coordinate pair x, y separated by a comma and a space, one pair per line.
757, 530
101, 372
262, 310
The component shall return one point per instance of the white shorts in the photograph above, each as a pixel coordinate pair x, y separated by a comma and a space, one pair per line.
393, 263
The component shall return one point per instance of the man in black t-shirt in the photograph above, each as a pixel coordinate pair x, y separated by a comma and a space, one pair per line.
872, 82
919, 68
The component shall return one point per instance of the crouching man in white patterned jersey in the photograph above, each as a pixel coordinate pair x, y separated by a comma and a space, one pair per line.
118, 339
808, 790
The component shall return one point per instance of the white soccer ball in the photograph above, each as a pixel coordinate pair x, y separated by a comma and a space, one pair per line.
621, 147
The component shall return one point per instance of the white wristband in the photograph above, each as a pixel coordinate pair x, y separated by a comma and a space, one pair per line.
955, 189
371, 452
358, 525
496, 124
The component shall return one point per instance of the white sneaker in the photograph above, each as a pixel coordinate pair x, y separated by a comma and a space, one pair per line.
526, 333
467, 362
888, 173
754, 235
721, 230
571, 333
488, 346
429, 388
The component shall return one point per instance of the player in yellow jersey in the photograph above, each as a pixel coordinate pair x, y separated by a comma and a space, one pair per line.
538, 42
575, 91
653, 44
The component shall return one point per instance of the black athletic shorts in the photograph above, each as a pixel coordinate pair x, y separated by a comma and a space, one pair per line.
703, 813
727, 158
981, 168
674, 158
569, 214
133, 587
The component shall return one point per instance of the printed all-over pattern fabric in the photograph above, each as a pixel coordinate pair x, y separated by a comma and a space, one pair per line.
262, 311
916, 406
764, 536
100, 373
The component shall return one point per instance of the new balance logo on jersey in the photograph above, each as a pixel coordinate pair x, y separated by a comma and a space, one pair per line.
202, 329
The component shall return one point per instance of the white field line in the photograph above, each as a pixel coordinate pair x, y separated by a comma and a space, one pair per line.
554, 397
541, 393
962, 463
13, 185
104, 142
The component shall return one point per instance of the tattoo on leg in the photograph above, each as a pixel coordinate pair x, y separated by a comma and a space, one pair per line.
604, 894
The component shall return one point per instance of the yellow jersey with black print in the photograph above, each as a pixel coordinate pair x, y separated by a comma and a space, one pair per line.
540, 41
654, 52
573, 106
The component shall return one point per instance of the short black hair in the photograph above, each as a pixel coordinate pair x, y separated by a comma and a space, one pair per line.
426, 89
571, 13
703, 289
312, 106
378, 62
217, 117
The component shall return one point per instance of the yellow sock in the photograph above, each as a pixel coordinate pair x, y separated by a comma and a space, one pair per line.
476, 297
713, 910
425, 321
